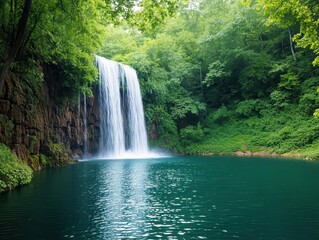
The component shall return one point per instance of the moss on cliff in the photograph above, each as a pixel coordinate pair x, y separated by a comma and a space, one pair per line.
57, 155
13, 172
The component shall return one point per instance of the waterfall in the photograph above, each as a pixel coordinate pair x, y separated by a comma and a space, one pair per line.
85, 136
137, 131
122, 125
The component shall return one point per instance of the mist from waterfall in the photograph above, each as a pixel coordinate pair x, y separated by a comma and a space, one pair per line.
122, 124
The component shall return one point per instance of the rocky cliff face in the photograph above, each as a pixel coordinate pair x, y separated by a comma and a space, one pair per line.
32, 124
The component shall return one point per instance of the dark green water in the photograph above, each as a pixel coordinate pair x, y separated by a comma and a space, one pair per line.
174, 198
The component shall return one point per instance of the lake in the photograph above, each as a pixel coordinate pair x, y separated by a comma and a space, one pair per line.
168, 198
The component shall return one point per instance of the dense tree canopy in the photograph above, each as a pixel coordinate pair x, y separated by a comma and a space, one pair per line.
69, 32
292, 12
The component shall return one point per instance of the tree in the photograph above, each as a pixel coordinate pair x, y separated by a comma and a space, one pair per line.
17, 42
70, 32
291, 12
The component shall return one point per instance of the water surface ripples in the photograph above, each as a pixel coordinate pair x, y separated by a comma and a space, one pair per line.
177, 198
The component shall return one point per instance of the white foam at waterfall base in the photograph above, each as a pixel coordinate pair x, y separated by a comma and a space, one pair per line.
135, 155
122, 124
151, 154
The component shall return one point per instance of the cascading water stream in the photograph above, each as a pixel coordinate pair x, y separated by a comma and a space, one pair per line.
137, 131
85, 133
111, 120
122, 124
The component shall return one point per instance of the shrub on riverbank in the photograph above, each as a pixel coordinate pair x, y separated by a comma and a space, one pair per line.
271, 130
13, 172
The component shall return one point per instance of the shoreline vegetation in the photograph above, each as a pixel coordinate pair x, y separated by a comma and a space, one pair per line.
260, 154
14, 172
254, 131
310, 153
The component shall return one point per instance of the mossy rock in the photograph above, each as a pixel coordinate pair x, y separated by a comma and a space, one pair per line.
34, 162
56, 155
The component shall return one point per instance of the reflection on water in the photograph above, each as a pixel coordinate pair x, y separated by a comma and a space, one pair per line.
117, 201
131, 205
123, 202
181, 198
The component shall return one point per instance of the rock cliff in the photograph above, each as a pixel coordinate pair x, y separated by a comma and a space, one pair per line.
34, 122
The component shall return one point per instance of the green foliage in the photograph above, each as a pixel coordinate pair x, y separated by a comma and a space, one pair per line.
288, 13
34, 162
44, 160
223, 139
30, 72
292, 135
183, 106
12, 171
273, 132
216, 70
120, 41
219, 116
191, 134
152, 13
217, 65
249, 108
255, 77
166, 127
309, 102
219, 59
56, 155
279, 98
289, 82
68, 33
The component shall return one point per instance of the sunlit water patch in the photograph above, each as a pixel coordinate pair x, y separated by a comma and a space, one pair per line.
174, 198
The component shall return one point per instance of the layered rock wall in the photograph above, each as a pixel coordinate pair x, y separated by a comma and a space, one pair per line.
31, 121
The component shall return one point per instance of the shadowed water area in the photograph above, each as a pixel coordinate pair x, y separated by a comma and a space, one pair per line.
172, 198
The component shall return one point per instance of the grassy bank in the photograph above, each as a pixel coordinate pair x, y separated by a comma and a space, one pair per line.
287, 131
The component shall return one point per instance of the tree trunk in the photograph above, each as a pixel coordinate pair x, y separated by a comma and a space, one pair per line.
201, 116
21, 30
291, 45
